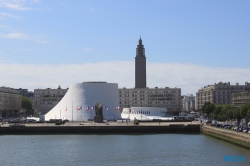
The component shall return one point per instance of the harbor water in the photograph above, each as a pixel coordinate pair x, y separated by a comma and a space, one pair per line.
153, 149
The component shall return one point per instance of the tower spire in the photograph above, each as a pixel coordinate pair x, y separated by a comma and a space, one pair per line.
140, 66
140, 51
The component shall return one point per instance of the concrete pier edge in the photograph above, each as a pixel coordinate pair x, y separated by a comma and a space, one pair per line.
102, 129
228, 136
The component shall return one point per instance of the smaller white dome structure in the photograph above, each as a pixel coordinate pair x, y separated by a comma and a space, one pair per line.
78, 104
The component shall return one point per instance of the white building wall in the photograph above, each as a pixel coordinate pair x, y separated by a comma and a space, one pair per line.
84, 95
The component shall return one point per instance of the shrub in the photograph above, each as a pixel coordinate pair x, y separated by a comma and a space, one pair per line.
60, 122
136, 122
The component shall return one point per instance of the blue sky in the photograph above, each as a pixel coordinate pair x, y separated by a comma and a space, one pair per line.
55, 35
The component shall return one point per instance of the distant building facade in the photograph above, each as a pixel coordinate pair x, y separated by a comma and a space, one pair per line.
25, 92
182, 109
46, 99
140, 67
169, 98
240, 98
219, 93
188, 102
10, 102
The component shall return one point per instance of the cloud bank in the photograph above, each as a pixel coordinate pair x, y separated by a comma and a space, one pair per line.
15, 36
188, 77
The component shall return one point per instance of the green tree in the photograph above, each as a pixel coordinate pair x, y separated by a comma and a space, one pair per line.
26, 103
216, 112
230, 113
208, 108
244, 111
237, 115
223, 114
248, 113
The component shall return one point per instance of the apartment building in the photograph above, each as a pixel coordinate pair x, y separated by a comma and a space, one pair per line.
219, 93
169, 98
240, 98
46, 99
10, 102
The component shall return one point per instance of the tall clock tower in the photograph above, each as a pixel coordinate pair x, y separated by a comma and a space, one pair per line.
140, 66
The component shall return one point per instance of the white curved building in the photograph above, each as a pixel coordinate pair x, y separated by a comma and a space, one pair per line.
77, 103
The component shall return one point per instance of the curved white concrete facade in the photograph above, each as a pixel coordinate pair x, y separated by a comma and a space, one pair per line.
86, 95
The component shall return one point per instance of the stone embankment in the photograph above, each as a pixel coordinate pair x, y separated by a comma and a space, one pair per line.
238, 138
101, 128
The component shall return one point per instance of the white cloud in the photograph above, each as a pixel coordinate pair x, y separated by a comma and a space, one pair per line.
15, 36
10, 15
17, 4
36, 1
37, 39
188, 77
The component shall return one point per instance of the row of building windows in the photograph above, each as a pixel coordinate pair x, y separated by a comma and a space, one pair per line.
129, 101
236, 87
170, 95
50, 92
141, 112
53, 99
150, 91
44, 103
150, 99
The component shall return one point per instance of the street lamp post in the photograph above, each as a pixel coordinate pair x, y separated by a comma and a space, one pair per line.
141, 114
106, 114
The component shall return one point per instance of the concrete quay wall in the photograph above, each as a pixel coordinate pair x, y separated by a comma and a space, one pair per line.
100, 129
238, 138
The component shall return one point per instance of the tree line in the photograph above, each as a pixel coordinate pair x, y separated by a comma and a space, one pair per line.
227, 112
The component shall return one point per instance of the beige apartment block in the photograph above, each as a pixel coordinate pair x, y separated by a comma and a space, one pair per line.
169, 98
240, 98
10, 102
219, 93
46, 99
